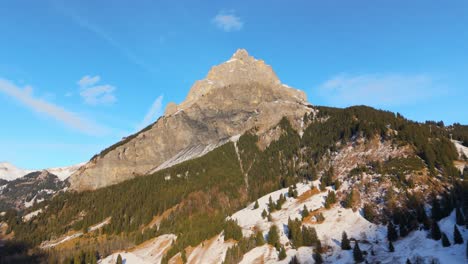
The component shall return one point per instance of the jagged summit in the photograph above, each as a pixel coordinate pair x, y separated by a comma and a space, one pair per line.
241, 54
240, 69
236, 96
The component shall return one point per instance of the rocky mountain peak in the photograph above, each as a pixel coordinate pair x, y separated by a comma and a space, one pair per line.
241, 54
236, 96
240, 69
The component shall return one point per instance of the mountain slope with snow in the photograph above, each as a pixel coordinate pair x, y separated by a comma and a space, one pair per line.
417, 246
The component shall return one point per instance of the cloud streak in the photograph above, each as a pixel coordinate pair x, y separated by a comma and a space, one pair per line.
95, 29
382, 90
155, 111
228, 21
68, 118
96, 94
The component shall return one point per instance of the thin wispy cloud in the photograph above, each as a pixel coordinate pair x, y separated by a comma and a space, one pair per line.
93, 94
101, 33
155, 111
380, 90
228, 21
60, 114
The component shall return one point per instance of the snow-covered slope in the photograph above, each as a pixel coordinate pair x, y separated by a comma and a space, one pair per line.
371, 237
64, 172
417, 246
462, 150
10, 172
151, 251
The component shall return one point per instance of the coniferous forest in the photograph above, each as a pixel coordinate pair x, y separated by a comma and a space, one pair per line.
199, 194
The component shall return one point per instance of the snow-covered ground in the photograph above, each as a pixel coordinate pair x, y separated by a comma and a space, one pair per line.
461, 149
211, 251
149, 252
31, 215
372, 238
51, 244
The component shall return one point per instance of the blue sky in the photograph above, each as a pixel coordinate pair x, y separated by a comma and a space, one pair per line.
76, 76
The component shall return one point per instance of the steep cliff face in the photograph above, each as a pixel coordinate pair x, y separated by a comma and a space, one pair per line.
236, 96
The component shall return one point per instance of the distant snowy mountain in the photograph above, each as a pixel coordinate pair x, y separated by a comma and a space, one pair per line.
10, 172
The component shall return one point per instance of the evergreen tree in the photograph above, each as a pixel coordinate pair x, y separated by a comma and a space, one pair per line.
408, 261
259, 239
119, 259
390, 247
330, 200
436, 211
294, 233
232, 230
282, 253
264, 213
392, 234
459, 217
273, 237
256, 205
435, 231
183, 256
457, 237
305, 212
349, 199
357, 254
368, 212
294, 260
77, 259
271, 205
445, 240
345, 244
317, 257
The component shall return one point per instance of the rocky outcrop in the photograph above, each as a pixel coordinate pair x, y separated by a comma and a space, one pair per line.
236, 96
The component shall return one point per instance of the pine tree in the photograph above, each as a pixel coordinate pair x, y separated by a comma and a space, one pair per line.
282, 253
390, 247
119, 259
457, 237
256, 205
345, 244
445, 240
459, 217
294, 260
357, 254
392, 234
408, 261
349, 199
436, 211
317, 257
273, 237
183, 256
271, 205
259, 239
435, 231
305, 212
368, 212
264, 213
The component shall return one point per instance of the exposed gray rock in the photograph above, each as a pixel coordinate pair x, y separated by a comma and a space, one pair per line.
236, 96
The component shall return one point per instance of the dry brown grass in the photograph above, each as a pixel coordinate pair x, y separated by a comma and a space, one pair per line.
306, 195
